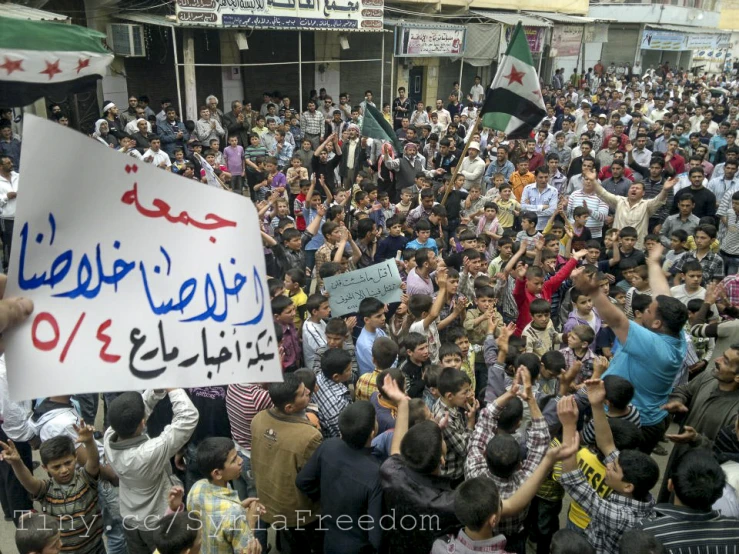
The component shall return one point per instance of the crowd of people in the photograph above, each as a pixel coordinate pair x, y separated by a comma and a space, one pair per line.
566, 297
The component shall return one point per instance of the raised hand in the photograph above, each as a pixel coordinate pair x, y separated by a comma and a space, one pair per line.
174, 498
670, 184
567, 411
596, 391
564, 451
10, 452
84, 432
655, 255
392, 391
600, 364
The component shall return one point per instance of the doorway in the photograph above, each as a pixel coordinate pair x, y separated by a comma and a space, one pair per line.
415, 84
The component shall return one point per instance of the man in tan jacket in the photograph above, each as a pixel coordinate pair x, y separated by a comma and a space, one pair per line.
283, 439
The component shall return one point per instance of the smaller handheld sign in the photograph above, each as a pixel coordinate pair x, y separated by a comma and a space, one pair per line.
346, 291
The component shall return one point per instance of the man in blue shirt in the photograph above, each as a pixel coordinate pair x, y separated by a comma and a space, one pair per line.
651, 354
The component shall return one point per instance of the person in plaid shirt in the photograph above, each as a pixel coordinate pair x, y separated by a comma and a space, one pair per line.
631, 474
384, 354
333, 395
457, 406
499, 455
227, 522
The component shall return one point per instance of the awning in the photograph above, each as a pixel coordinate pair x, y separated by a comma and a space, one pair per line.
510, 18
157, 20
563, 18
689, 29
17, 11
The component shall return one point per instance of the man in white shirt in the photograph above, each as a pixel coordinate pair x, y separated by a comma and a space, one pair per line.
640, 154
154, 155
444, 118
719, 185
8, 194
477, 92
472, 166
659, 110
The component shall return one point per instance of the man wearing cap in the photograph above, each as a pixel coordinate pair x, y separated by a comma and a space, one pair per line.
472, 166
407, 167
115, 126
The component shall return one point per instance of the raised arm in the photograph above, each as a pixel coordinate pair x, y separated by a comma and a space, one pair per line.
608, 312
11, 456
657, 280
393, 392
603, 435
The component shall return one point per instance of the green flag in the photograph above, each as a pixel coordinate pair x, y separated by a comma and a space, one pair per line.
44, 58
375, 126
514, 103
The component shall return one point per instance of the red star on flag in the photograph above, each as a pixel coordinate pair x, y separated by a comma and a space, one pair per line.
82, 64
51, 69
515, 76
12, 65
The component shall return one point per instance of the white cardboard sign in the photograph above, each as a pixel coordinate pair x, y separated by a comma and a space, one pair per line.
139, 278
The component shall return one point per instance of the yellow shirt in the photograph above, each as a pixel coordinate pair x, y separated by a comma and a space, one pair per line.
715, 245
299, 300
595, 473
505, 212
366, 385
518, 182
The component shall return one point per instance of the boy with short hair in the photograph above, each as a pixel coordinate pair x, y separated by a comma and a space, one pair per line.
142, 463
712, 263
423, 237
384, 355
385, 408
457, 406
424, 312
540, 335
530, 283
581, 234
406, 202
583, 314
417, 361
296, 174
509, 208
294, 283
39, 534
314, 329
678, 248
638, 278
634, 474
578, 351
372, 312
283, 313
70, 493
505, 253
338, 335
233, 155
477, 505
528, 234
394, 242
626, 242
227, 522
333, 394
619, 393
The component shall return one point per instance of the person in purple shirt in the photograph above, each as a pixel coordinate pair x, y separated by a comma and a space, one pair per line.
419, 278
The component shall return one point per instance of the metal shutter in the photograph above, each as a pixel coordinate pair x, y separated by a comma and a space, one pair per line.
621, 45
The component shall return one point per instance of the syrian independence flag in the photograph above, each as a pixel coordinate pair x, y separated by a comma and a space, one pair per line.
42, 58
374, 125
513, 103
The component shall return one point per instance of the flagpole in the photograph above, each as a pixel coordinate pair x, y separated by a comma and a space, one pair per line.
450, 184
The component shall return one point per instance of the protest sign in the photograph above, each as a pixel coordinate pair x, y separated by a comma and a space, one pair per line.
139, 278
346, 291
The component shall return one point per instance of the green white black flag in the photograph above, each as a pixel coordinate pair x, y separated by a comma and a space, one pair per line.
513, 103
42, 58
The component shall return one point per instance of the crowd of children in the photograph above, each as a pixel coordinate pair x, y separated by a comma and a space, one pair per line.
551, 327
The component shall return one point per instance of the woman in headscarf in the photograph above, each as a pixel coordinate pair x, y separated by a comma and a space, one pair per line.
102, 133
